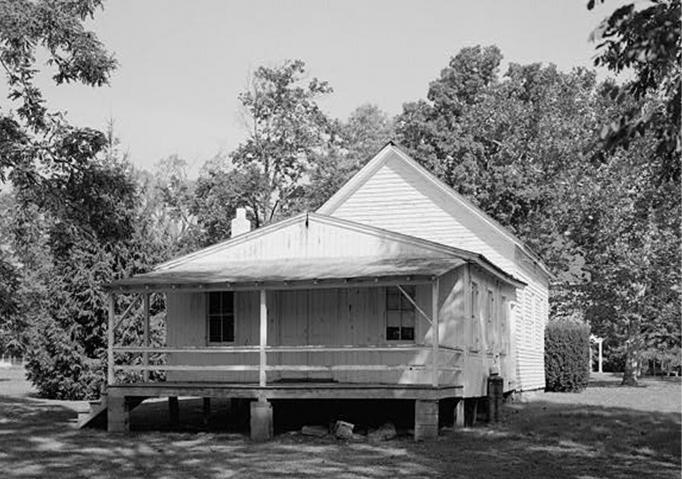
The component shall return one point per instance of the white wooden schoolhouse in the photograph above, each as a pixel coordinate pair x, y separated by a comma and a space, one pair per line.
396, 288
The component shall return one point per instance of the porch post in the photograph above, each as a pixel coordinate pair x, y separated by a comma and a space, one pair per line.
110, 342
435, 334
263, 337
145, 355
601, 359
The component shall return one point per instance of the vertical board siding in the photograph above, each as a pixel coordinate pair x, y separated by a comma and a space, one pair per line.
352, 316
399, 198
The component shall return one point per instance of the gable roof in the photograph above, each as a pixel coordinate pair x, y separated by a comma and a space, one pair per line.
392, 150
312, 247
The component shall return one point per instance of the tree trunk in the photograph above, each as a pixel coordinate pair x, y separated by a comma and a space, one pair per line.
633, 352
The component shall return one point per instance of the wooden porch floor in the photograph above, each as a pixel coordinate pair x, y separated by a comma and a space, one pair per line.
287, 390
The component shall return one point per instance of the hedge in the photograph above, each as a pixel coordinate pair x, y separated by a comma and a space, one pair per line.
567, 352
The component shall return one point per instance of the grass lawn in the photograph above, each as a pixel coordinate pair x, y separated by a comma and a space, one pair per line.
605, 432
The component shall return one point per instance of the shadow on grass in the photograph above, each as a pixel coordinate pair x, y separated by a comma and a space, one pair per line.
538, 439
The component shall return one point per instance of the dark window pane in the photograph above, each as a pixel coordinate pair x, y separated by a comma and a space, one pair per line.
214, 330
392, 333
214, 303
228, 302
407, 334
393, 298
228, 328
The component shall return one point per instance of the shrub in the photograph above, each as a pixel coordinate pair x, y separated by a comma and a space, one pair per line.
59, 369
567, 352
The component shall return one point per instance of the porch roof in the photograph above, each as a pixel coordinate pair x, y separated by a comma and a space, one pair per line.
311, 249
295, 270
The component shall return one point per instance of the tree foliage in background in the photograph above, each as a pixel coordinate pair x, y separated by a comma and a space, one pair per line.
527, 149
357, 140
645, 40
567, 354
72, 221
286, 128
644, 291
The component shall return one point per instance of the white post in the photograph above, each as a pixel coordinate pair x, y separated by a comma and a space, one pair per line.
145, 355
435, 333
110, 342
600, 355
263, 336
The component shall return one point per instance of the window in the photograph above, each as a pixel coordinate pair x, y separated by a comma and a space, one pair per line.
490, 325
528, 301
399, 314
475, 318
537, 322
504, 324
221, 317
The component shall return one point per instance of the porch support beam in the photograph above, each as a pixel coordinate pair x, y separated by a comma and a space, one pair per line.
110, 341
128, 309
145, 355
412, 301
435, 335
262, 378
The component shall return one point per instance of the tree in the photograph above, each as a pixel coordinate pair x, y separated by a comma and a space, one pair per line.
39, 150
287, 128
355, 142
33, 142
646, 41
221, 188
527, 149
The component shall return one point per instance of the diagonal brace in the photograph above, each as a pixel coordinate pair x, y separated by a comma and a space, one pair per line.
409, 298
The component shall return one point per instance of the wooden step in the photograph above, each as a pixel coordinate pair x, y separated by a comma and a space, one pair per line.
97, 411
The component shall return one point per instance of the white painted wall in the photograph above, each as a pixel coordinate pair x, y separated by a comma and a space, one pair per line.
399, 198
348, 316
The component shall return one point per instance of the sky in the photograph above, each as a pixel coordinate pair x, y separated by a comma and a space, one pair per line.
183, 63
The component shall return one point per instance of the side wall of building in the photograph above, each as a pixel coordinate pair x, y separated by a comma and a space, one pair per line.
399, 198
474, 333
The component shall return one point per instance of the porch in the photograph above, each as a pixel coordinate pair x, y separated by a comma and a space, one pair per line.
426, 369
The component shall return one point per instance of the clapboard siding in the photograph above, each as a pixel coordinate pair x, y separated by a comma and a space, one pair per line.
399, 197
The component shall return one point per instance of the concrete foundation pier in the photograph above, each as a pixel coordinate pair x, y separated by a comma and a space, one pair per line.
118, 414
425, 419
262, 428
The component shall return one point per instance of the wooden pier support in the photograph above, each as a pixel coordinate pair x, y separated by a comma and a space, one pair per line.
470, 411
459, 413
118, 414
495, 397
425, 419
262, 426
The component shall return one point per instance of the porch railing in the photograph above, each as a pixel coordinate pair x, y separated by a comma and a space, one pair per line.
445, 353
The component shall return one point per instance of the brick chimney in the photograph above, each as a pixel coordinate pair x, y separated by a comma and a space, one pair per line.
240, 224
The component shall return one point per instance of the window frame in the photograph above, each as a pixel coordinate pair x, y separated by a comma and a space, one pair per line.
222, 315
408, 289
490, 320
475, 338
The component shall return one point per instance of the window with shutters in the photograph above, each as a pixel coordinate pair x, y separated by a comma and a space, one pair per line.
220, 317
400, 314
